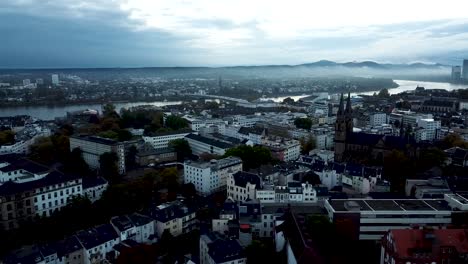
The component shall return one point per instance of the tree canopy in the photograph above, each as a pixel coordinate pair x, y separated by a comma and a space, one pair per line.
305, 123
7, 137
182, 147
175, 123
252, 157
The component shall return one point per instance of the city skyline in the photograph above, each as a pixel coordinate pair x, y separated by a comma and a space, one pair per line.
139, 33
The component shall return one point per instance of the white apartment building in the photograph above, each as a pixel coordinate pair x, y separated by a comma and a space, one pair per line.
463, 105
294, 192
427, 130
377, 119
161, 141
210, 177
175, 217
373, 218
197, 123
137, 227
93, 147
245, 121
200, 144
241, 186
98, 242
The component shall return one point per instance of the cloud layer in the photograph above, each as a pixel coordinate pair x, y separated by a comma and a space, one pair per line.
133, 33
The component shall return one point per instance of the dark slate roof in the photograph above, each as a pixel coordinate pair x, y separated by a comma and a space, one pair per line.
54, 177
122, 222
96, 139
251, 130
139, 219
25, 164
222, 251
169, 212
89, 182
438, 103
210, 141
97, 236
67, 246
30, 255
364, 138
241, 178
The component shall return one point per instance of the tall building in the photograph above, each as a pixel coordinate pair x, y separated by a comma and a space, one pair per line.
456, 73
26, 82
55, 79
39, 81
93, 147
465, 70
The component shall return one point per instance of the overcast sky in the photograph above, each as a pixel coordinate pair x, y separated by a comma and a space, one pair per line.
135, 33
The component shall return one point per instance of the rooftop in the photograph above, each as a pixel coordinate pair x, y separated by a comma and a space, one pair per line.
241, 178
376, 205
210, 141
96, 139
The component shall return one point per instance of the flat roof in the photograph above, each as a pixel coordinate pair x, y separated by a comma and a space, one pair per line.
376, 205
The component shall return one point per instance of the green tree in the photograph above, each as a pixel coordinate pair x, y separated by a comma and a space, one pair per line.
108, 166
182, 147
307, 145
42, 150
76, 164
108, 110
305, 123
130, 157
396, 166
252, 157
384, 93
7, 137
454, 140
175, 122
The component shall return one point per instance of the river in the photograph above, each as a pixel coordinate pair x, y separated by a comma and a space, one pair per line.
403, 86
51, 112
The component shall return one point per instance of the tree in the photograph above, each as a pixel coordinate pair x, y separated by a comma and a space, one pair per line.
312, 178
260, 252
175, 122
454, 140
76, 164
130, 157
182, 147
108, 110
252, 157
208, 156
307, 145
42, 150
288, 100
384, 93
7, 137
305, 123
396, 166
108, 165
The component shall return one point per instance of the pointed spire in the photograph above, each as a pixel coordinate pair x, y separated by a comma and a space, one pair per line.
348, 104
341, 107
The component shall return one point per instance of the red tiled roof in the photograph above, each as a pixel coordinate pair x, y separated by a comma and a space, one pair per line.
431, 240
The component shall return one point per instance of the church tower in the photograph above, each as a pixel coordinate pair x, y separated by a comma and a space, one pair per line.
343, 128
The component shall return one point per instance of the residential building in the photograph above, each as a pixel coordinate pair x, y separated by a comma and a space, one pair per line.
463, 105
241, 186
147, 155
197, 123
427, 130
94, 187
161, 140
200, 145
377, 119
98, 243
210, 177
425, 246
294, 192
216, 249
283, 149
369, 219
137, 227
21, 201
434, 105
24, 138
93, 147
457, 156
175, 217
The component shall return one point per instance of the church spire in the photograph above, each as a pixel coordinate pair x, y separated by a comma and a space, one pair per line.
341, 107
348, 104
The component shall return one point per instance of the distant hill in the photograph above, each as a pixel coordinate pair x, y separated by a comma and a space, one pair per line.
322, 68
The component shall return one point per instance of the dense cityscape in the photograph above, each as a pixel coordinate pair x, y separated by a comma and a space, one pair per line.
233, 132
233, 179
